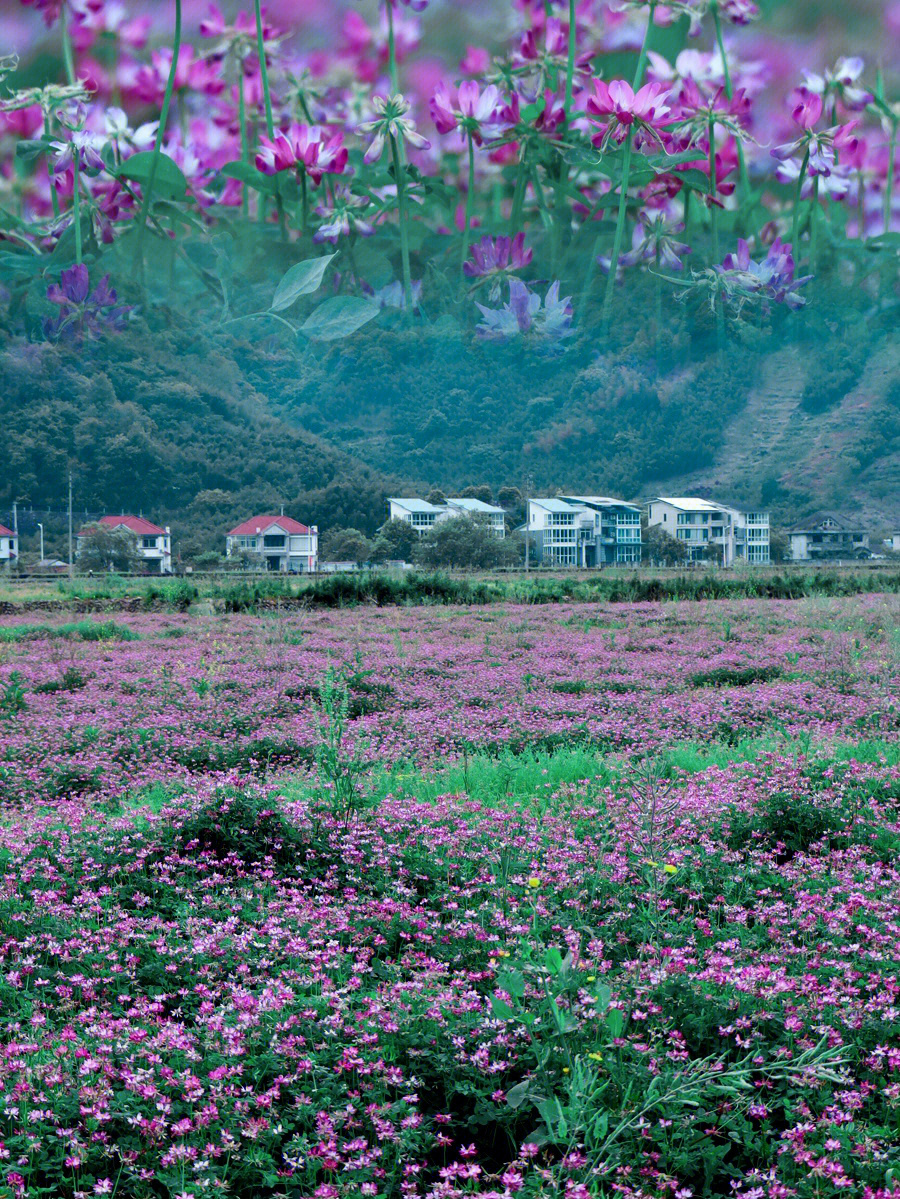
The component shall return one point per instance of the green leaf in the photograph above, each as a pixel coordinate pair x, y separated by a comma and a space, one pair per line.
30, 148
169, 181
247, 173
338, 317
301, 280
517, 1095
694, 179
553, 961
884, 241
603, 996
615, 1022
501, 1010
512, 981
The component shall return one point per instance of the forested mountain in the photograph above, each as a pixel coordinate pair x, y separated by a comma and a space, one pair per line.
200, 429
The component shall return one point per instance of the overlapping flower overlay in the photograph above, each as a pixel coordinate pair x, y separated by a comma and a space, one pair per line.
208, 986
249, 118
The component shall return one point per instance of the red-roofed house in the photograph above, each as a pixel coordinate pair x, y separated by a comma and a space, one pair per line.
9, 545
154, 544
277, 543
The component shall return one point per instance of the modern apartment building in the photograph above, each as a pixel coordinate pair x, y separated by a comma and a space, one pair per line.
825, 536
9, 545
423, 516
275, 543
735, 535
152, 542
584, 530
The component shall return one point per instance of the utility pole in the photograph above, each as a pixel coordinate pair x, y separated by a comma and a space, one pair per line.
71, 557
41, 527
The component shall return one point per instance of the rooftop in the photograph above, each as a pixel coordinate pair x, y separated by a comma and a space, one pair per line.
5, 532
472, 505
136, 524
262, 524
412, 503
687, 503
600, 501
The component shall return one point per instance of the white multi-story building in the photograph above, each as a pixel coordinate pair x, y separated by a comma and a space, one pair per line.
9, 545
699, 524
423, 516
153, 543
275, 543
584, 530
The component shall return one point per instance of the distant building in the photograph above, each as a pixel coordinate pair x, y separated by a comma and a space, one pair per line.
153, 543
827, 536
275, 543
893, 542
583, 530
9, 545
699, 524
423, 516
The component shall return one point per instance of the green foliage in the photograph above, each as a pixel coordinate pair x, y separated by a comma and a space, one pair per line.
239, 824
12, 696
464, 543
102, 548
340, 764
724, 676
72, 679
82, 630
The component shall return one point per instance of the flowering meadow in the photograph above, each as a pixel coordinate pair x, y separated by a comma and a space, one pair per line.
578, 900
307, 174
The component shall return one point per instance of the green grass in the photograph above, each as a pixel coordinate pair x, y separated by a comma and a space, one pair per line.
82, 630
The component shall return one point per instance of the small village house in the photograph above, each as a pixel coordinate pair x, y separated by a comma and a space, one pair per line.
152, 542
9, 545
275, 543
735, 535
584, 530
827, 536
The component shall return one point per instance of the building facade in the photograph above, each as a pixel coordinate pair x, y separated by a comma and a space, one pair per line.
275, 543
152, 542
423, 516
9, 545
827, 536
708, 529
584, 531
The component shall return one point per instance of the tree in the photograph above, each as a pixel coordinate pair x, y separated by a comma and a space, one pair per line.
482, 492
348, 545
510, 497
436, 496
465, 543
396, 540
779, 545
102, 548
662, 548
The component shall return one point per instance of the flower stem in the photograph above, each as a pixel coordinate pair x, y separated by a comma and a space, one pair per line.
470, 193
813, 223
519, 193
645, 46
795, 232
620, 230
263, 70
54, 197
570, 65
861, 206
68, 55
889, 182
157, 145
304, 201
76, 204
713, 210
392, 48
245, 143
729, 92
404, 235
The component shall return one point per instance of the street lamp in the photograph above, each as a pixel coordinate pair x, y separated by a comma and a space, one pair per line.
41, 527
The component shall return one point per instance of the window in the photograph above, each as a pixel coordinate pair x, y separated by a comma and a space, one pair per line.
628, 553
273, 541
148, 543
246, 543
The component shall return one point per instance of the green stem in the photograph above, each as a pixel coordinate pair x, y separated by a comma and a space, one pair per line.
263, 70
861, 205
68, 55
620, 229
519, 193
795, 232
157, 145
717, 21
813, 223
392, 48
404, 234
570, 65
645, 47
76, 204
54, 197
713, 210
304, 201
470, 194
245, 142
889, 183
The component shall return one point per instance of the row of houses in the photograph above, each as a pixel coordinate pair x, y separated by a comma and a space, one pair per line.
563, 530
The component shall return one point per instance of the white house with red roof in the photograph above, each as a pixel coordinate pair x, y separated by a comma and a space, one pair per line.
9, 545
153, 543
276, 543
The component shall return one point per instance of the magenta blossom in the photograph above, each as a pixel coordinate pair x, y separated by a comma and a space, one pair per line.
82, 310
772, 279
493, 254
308, 147
475, 110
644, 110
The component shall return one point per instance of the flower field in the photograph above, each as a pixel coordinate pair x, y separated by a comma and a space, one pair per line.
576, 900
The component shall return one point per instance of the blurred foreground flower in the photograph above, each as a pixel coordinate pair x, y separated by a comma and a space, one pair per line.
495, 258
391, 122
82, 311
527, 313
